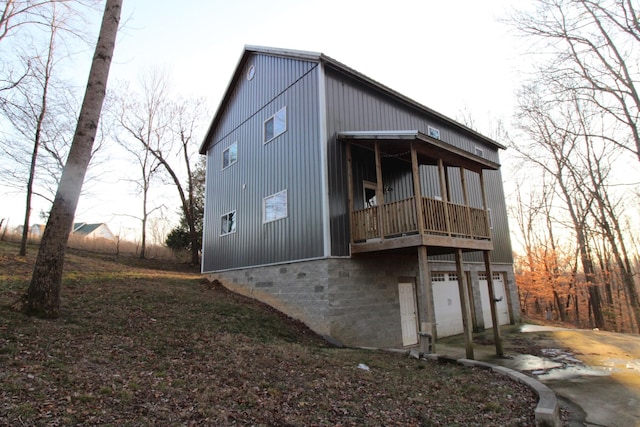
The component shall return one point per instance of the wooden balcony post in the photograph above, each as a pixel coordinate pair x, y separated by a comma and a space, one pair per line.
426, 308
444, 193
417, 190
350, 188
493, 303
484, 204
379, 191
464, 306
465, 194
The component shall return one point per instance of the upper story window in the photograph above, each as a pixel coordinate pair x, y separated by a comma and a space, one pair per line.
275, 125
274, 207
251, 72
433, 132
479, 151
230, 155
228, 223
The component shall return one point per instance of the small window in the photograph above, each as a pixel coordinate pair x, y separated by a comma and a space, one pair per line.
482, 276
453, 277
275, 125
437, 277
433, 132
274, 207
479, 152
251, 72
228, 223
490, 218
230, 155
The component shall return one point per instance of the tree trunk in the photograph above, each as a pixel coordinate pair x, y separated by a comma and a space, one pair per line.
43, 295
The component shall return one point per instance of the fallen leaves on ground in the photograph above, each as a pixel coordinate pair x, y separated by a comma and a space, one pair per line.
140, 346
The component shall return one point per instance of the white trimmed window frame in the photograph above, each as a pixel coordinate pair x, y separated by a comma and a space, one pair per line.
231, 156
278, 124
275, 207
229, 217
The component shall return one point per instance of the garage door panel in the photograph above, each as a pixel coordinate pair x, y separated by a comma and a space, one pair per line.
499, 292
446, 299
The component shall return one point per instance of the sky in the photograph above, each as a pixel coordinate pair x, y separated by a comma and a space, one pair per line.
454, 57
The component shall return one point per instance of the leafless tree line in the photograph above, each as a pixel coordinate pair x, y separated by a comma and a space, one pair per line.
52, 139
576, 139
155, 129
160, 133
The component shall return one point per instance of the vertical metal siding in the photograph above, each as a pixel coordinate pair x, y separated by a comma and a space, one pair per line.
352, 106
289, 162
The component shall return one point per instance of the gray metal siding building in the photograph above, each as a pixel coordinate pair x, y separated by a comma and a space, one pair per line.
297, 146
291, 162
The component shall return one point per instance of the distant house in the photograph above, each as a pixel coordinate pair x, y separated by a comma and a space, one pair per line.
92, 231
35, 231
370, 217
80, 229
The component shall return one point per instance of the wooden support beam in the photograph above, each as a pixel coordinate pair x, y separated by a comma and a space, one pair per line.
465, 194
467, 323
350, 188
417, 189
379, 190
444, 193
493, 303
426, 307
484, 202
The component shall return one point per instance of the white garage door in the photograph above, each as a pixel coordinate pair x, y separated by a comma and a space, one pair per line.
446, 299
499, 292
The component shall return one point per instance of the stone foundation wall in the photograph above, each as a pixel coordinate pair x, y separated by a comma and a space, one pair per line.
352, 300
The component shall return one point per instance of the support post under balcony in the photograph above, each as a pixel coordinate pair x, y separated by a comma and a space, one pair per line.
493, 303
464, 305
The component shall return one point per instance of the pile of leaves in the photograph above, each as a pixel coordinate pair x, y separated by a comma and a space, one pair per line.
141, 346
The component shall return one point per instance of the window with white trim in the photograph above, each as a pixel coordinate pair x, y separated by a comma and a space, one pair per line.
228, 223
275, 125
433, 132
274, 207
230, 155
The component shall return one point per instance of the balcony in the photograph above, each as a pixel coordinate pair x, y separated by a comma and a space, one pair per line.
396, 225
414, 221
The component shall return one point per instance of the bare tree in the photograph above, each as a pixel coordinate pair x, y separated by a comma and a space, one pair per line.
550, 126
19, 19
145, 121
594, 51
188, 114
30, 115
165, 129
43, 295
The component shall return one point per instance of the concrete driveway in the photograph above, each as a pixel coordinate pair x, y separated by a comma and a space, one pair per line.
595, 374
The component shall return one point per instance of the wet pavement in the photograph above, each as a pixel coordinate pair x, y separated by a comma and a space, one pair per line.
595, 374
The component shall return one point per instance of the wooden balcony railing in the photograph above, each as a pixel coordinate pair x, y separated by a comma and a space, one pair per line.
400, 218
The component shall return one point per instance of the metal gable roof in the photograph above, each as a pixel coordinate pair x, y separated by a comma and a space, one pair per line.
338, 66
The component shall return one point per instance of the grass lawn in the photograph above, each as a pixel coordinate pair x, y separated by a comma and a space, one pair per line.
144, 343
